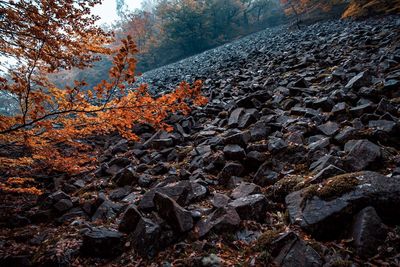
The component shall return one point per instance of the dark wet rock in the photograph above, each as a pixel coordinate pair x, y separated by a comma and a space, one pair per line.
259, 131
245, 189
160, 168
162, 143
57, 196
179, 218
368, 232
306, 112
385, 106
220, 200
324, 211
339, 109
146, 238
63, 205
290, 250
361, 110
102, 243
265, 175
182, 192
130, 219
324, 162
330, 128
276, 144
249, 117
255, 158
240, 138
325, 173
107, 210
126, 176
345, 135
221, 220
319, 144
252, 207
358, 81
383, 125
230, 169
362, 154
234, 152
233, 121
324, 103
120, 193
117, 164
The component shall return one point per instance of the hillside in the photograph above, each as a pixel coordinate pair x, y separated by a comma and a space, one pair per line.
294, 161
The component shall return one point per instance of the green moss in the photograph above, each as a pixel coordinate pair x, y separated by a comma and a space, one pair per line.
264, 241
285, 186
332, 188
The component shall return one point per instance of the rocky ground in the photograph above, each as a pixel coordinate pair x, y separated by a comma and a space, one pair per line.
294, 162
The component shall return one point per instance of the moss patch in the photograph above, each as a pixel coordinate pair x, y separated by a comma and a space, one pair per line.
284, 187
332, 188
265, 240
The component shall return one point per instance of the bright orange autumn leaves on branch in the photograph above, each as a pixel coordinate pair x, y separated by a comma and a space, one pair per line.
46, 36
292, 7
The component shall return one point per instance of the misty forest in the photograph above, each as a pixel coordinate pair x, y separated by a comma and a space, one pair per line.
200, 133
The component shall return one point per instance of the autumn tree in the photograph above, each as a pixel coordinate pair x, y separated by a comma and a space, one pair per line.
299, 8
41, 37
364, 8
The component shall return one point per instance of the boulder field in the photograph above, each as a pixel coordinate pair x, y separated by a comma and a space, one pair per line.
294, 161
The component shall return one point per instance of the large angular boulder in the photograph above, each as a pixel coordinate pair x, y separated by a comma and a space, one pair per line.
146, 238
230, 169
234, 152
323, 209
179, 218
102, 243
126, 176
289, 250
368, 232
130, 219
245, 189
362, 154
222, 219
252, 207
182, 192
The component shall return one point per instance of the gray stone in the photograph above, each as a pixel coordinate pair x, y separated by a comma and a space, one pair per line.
102, 243
324, 218
233, 121
146, 238
126, 176
222, 219
330, 128
252, 207
234, 152
63, 205
358, 81
362, 154
230, 169
179, 218
368, 232
245, 189
130, 219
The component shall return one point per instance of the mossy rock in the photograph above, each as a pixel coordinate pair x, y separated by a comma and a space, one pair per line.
285, 186
332, 188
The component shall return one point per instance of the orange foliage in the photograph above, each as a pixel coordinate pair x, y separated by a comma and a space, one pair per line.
363, 8
296, 7
53, 122
17, 185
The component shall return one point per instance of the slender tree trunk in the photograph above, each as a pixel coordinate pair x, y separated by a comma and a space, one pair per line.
296, 14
